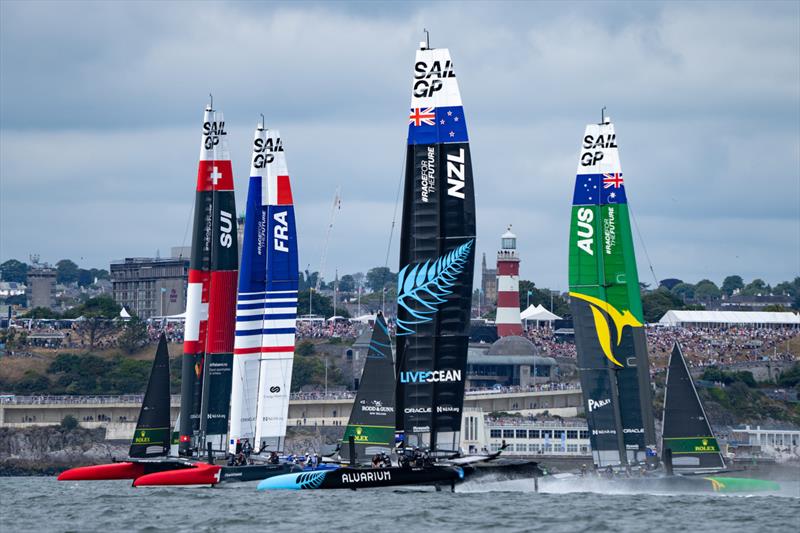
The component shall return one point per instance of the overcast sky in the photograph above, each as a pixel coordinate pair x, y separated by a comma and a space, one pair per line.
102, 104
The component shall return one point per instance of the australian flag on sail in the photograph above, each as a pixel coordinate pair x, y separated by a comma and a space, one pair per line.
430, 125
599, 189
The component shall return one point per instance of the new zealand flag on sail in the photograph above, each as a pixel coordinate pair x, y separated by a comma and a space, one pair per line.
430, 125
599, 189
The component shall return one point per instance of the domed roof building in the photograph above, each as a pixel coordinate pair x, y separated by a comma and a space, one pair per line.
513, 345
511, 361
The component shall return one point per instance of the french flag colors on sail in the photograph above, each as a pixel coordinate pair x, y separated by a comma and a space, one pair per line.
266, 307
211, 294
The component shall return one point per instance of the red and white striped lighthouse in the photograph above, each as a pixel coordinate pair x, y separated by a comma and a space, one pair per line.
508, 320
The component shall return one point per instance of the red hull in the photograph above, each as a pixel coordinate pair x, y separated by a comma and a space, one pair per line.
102, 472
201, 474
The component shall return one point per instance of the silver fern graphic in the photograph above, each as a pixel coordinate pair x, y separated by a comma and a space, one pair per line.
421, 288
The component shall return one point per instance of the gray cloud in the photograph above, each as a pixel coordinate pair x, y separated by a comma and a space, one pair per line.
101, 105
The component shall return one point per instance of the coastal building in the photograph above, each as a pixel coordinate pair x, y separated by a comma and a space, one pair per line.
767, 439
41, 286
11, 288
509, 362
508, 316
148, 287
524, 436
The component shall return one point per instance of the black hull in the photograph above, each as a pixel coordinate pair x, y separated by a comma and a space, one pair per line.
364, 478
235, 474
501, 470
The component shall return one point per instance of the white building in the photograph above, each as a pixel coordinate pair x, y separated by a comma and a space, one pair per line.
524, 436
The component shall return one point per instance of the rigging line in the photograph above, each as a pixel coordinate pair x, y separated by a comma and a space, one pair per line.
394, 222
644, 247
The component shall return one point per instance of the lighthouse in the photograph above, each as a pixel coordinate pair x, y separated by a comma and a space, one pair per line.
508, 320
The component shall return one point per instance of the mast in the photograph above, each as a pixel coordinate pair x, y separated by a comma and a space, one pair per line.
152, 435
437, 253
211, 295
687, 431
606, 306
371, 422
266, 310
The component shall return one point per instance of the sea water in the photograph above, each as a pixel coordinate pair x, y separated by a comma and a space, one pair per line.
40, 504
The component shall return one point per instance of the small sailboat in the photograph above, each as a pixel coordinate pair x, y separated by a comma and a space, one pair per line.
371, 423
150, 444
687, 434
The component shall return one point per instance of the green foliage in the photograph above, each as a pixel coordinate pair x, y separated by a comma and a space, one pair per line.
683, 290
13, 270
757, 287
658, 302
102, 306
790, 377
17, 299
304, 348
541, 297
669, 283
311, 371
731, 283
728, 378
706, 290
347, 283
66, 271
133, 336
320, 304
41, 313
379, 278
69, 422
90, 374
774, 308
31, 383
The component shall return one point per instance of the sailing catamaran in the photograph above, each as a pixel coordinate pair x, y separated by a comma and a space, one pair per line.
611, 344
267, 303
434, 288
607, 308
266, 312
150, 443
211, 297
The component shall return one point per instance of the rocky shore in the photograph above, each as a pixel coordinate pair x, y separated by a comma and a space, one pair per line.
49, 450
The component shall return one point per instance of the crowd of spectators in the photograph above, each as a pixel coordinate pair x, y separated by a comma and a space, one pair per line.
319, 329
701, 346
174, 331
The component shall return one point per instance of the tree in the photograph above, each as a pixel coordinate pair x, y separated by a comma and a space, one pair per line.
320, 304
134, 336
541, 297
69, 423
732, 283
99, 318
790, 377
706, 291
658, 302
757, 287
683, 291
41, 313
66, 271
379, 278
13, 270
347, 283
17, 299
669, 283
85, 277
